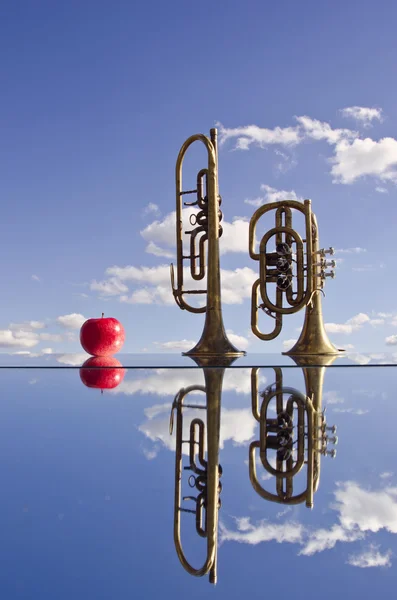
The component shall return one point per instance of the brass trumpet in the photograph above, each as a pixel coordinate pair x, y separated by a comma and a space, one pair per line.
297, 436
298, 268
203, 444
206, 229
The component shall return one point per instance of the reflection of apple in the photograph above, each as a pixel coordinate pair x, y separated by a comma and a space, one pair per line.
102, 337
105, 378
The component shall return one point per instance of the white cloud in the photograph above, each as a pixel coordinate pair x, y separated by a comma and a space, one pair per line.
239, 341
365, 157
150, 454
109, 287
151, 208
347, 346
18, 338
36, 278
73, 360
354, 157
235, 236
376, 322
381, 190
386, 475
27, 325
356, 250
391, 340
152, 248
162, 233
370, 558
362, 114
47, 351
287, 344
285, 163
142, 296
273, 195
236, 285
319, 130
51, 337
72, 321
176, 345
261, 136
351, 325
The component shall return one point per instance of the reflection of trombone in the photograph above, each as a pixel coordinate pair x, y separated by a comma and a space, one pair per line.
298, 268
295, 437
206, 228
205, 472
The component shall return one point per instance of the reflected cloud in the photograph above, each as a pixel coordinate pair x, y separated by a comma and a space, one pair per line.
237, 425
325, 539
360, 512
264, 531
166, 382
332, 397
352, 411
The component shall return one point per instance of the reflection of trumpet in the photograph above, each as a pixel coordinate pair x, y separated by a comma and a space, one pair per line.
298, 268
207, 228
205, 472
296, 436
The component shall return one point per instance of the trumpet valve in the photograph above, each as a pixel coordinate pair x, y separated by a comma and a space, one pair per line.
331, 453
332, 440
330, 263
325, 251
332, 429
283, 249
324, 274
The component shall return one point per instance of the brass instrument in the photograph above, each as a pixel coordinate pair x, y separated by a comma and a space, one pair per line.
297, 436
298, 268
203, 444
206, 228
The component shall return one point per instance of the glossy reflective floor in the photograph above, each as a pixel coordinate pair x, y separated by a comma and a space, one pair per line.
88, 489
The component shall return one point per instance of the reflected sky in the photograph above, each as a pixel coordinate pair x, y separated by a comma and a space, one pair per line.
88, 490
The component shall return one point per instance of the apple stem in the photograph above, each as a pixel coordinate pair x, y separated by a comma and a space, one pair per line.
103, 314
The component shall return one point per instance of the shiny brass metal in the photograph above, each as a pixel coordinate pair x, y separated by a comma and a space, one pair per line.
213, 341
298, 268
296, 442
204, 465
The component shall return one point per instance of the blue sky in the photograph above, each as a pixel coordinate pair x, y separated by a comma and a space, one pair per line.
97, 98
88, 490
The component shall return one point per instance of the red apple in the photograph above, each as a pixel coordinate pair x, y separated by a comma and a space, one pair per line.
102, 337
102, 378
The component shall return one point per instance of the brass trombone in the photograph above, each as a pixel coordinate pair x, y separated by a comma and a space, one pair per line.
206, 229
203, 444
298, 268
297, 436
